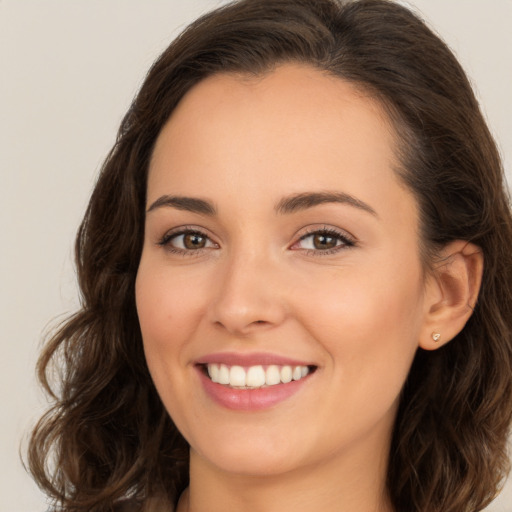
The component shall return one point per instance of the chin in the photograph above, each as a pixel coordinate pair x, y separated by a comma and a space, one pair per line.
253, 465
252, 455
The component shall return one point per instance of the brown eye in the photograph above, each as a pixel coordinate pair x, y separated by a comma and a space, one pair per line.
187, 241
322, 241
194, 241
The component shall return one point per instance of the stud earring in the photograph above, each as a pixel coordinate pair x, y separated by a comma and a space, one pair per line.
436, 336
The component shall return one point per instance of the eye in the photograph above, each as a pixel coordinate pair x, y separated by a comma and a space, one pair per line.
186, 240
324, 241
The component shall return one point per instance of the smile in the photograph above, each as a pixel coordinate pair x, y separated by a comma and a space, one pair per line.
255, 377
252, 382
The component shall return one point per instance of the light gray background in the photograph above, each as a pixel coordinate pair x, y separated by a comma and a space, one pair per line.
68, 70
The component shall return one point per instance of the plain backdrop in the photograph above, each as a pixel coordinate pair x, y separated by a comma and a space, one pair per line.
68, 71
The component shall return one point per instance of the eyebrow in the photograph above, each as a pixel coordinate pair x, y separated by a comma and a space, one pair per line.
190, 204
307, 200
287, 205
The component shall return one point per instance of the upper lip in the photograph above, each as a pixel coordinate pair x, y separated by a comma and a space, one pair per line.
250, 359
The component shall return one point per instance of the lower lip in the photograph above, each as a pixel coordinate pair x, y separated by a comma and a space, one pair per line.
249, 399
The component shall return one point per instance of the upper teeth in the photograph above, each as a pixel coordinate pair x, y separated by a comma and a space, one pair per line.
255, 376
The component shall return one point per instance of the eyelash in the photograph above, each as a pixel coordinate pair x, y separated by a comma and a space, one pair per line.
165, 241
346, 241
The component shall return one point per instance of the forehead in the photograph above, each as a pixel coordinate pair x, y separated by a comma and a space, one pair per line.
289, 96
294, 128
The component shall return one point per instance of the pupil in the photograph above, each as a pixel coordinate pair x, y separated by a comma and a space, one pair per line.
324, 242
194, 241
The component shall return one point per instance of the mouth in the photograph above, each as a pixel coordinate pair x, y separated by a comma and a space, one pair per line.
254, 382
254, 377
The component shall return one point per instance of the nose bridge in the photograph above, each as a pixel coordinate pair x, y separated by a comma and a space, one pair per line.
247, 292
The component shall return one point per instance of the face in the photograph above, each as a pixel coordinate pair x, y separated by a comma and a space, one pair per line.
280, 291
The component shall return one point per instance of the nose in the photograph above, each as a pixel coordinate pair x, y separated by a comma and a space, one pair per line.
249, 295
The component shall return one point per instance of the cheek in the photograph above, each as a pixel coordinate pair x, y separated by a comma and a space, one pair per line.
368, 322
168, 309
166, 305
368, 303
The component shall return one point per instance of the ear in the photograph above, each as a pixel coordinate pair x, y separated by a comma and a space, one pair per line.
451, 293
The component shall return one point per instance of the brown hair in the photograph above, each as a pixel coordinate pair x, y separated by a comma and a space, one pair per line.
108, 435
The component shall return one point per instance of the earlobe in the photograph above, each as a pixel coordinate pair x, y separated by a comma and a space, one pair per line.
451, 293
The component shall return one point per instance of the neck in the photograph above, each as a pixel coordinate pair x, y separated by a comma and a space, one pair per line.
350, 481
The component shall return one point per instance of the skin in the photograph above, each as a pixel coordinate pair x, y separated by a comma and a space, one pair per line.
259, 284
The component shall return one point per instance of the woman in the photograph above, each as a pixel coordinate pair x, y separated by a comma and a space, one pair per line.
296, 279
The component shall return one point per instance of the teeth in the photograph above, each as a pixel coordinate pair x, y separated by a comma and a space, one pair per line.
255, 376
237, 376
223, 374
286, 374
273, 376
213, 372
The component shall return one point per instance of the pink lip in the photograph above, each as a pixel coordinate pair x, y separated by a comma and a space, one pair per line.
249, 399
253, 359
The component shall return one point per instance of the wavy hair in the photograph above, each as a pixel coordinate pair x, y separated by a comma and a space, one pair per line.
107, 436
